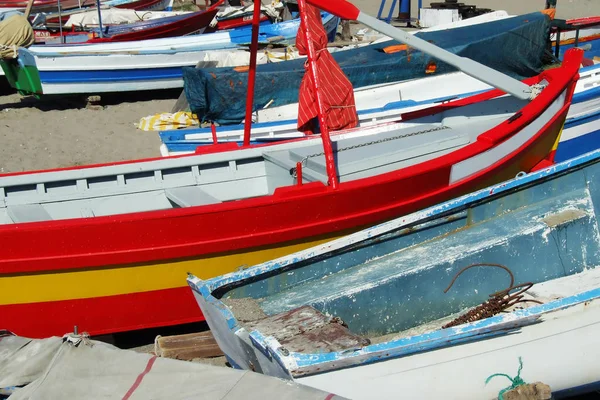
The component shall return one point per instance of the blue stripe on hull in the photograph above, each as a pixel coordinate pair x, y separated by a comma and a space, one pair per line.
577, 146
582, 144
586, 95
117, 75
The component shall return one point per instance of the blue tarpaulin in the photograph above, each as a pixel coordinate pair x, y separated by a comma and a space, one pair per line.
514, 46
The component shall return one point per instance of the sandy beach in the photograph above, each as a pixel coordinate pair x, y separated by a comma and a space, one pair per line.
53, 133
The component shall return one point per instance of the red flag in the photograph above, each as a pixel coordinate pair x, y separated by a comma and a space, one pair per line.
337, 93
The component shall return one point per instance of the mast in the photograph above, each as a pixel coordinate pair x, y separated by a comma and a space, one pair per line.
99, 18
252, 72
312, 70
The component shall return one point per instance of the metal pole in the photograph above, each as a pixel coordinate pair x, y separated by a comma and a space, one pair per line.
381, 9
99, 18
60, 23
252, 72
311, 57
391, 13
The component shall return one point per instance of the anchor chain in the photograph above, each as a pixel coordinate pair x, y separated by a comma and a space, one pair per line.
497, 303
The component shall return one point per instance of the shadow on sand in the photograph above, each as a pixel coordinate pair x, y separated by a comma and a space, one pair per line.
64, 102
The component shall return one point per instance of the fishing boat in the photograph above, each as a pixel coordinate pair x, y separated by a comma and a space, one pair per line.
129, 25
112, 241
132, 65
43, 5
387, 103
413, 306
519, 42
172, 26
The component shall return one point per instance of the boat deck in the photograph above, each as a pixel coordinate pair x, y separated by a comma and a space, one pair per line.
215, 178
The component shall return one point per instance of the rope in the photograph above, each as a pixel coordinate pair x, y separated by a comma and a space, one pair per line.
516, 381
14, 48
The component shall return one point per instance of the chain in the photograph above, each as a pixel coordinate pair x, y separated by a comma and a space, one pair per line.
356, 146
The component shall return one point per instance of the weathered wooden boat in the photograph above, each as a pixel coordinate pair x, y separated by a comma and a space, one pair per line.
231, 22
112, 241
384, 311
130, 66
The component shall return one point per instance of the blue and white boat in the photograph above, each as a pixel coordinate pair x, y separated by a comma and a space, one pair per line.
131, 66
387, 103
374, 314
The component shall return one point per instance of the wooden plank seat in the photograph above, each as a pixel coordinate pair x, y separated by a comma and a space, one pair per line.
27, 213
365, 156
189, 196
307, 330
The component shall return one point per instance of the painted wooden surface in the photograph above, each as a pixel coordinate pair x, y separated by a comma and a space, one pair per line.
390, 279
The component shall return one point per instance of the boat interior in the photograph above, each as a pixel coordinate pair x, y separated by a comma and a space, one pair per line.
392, 286
198, 180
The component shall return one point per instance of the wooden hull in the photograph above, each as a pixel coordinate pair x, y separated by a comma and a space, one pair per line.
124, 250
183, 26
561, 352
178, 25
543, 226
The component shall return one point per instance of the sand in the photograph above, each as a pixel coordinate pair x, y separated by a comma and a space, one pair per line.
53, 133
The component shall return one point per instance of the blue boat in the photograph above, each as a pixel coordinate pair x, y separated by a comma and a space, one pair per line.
435, 303
519, 44
581, 132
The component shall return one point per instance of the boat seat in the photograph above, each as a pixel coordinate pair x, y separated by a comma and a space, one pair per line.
306, 329
190, 196
376, 154
28, 213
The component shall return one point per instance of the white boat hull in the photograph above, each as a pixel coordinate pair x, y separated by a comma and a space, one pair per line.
562, 352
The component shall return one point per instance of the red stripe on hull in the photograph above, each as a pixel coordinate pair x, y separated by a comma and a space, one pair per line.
102, 315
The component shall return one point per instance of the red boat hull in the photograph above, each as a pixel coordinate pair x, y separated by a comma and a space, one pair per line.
138, 5
182, 27
206, 238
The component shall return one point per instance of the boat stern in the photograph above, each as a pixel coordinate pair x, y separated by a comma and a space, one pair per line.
22, 73
238, 344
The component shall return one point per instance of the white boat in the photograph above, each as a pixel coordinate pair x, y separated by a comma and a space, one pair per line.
368, 316
156, 64
387, 103
128, 66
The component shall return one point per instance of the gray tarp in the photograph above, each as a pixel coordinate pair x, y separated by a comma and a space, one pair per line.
92, 369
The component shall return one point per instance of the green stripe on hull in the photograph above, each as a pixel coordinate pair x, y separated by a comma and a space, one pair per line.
25, 79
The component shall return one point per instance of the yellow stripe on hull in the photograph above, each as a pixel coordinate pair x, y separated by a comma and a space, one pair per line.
89, 283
